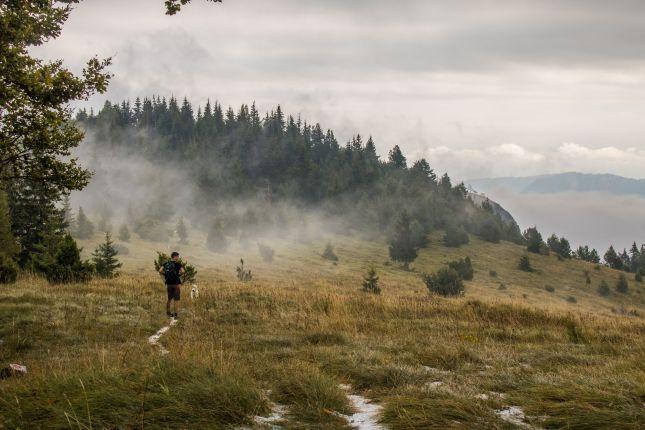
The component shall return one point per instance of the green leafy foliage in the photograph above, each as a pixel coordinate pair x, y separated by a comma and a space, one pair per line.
603, 288
445, 282
65, 264
534, 242
560, 246
190, 273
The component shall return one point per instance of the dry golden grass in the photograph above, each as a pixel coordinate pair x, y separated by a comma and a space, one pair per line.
303, 327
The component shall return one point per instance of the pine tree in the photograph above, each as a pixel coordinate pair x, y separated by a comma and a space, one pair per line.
182, 231
370, 281
401, 245
104, 257
455, 235
65, 265
396, 158
84, 227
124, 233
534, 242
603, 288
68, 214
612, 259
622, 286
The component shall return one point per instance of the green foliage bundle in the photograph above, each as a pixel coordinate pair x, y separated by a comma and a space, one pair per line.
463, 267
560, 246
151, 229
104, 258
534, 242
525, 264
585, 254
638, 277
455, 236
329, 253
371, 281
190, 273
489, 230
445, 282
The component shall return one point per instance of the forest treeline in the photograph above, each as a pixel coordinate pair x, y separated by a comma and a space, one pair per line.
243, 156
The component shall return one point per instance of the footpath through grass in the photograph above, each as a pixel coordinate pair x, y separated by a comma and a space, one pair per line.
430, 362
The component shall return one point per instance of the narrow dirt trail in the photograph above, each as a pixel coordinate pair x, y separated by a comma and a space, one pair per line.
154, 339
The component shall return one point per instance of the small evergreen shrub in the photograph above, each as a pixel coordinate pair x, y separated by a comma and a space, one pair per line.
189, 274
525, 264
84, 227
622, 286
492, 273
572, 299
597, 267
243, 274
638, 277
151, 229
65, 266
549, 288
502, 286
122, 249
603, 288
463, 267
329, 254
266, 252
370, 281
445, 282
8, 269
490, 231
104, 258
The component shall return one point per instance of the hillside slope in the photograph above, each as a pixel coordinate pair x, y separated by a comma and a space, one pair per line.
302, 327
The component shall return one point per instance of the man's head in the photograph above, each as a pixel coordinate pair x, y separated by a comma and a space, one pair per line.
174, 256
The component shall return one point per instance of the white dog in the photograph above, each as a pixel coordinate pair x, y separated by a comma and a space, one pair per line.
194, 292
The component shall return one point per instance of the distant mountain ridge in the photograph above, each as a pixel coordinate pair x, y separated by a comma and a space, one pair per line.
563, 182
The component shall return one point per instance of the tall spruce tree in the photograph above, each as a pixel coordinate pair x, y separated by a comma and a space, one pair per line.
401, 243
104, 258
612, 259
534, 242
396, 158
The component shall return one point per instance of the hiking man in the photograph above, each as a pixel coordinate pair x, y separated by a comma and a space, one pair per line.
172, 271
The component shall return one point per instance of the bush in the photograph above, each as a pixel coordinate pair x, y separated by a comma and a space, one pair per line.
418, 235
549, 288
638, 277
329, 254
122, 249
445, 282
455, 236
490, 231
492, 273
124, 233
151, 229
243, 274
525, 264
572, 299
104, 257
463, 267
622, 286
603, 288
189, 274
266, 252
8, 269
370, 281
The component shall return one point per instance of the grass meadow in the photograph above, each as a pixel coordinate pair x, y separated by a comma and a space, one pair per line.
302, 327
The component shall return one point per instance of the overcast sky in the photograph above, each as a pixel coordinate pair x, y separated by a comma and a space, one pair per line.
480, 88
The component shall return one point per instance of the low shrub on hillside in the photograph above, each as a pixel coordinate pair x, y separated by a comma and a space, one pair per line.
525, 264
638, 277
492, 273
329, 253
445, 281
463, 267
243, 274
370, 281
572, 299
603, 288
549, 288
8, 269
622, 286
